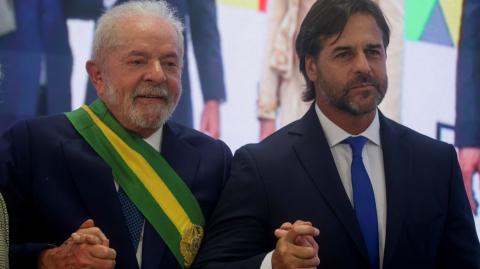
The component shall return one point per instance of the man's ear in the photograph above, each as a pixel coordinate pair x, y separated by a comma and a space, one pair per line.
311, 68
96, 76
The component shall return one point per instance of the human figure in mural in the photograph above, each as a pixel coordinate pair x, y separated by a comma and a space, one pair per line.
467, 125
37, 59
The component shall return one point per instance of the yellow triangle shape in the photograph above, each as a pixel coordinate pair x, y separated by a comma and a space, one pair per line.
253, 4
452, 10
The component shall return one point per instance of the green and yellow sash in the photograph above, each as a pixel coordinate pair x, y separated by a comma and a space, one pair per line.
148, 180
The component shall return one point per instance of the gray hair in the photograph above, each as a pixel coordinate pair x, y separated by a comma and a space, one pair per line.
109, 24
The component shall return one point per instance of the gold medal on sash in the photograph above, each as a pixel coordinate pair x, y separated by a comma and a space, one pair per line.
190, 243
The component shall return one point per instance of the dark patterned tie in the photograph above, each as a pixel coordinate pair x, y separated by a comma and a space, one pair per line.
364, 199
133, 217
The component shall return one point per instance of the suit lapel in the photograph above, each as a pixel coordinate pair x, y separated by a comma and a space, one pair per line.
95, 184
314, 153
397, 158
180, 155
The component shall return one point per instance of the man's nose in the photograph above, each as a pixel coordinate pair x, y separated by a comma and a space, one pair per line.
155, 73
361, 64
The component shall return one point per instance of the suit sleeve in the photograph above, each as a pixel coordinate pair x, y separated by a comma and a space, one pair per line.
459, 247
16, 188
468, 78
206, 45
236, 235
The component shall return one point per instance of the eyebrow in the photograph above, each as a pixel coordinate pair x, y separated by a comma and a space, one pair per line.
171, 55
341, 48
145, 54
374, 46
137, 53
346, 48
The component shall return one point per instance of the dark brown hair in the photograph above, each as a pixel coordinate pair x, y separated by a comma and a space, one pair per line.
327, 18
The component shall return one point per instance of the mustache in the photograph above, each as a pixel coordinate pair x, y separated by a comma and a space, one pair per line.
158, 91
363, 79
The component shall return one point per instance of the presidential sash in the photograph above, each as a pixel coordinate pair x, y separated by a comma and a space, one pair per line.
148, 180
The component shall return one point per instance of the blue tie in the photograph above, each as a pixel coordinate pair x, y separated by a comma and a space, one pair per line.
364, 199
133, 217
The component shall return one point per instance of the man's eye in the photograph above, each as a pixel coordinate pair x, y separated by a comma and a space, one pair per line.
342, 55
136, 62
170, 64
373, 52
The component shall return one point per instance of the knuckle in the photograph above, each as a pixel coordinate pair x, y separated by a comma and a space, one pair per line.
82, 262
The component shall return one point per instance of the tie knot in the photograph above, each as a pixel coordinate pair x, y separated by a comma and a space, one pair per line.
356, 143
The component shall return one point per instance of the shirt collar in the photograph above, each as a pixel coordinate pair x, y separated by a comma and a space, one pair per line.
336, 135
155, 140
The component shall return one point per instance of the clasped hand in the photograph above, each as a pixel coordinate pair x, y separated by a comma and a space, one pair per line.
87, 247
296, 246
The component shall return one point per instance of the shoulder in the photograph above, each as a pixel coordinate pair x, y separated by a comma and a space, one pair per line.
424, 151
276, 147
42, 129
193, 138
418, 141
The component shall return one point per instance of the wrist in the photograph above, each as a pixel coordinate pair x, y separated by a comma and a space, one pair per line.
45, 259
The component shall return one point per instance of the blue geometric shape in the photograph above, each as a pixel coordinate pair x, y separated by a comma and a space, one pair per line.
436, 30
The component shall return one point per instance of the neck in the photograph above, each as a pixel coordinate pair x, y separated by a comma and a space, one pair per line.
353, 124
143, 132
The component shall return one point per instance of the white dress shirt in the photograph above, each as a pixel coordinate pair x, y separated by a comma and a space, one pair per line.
372, 158
155, 140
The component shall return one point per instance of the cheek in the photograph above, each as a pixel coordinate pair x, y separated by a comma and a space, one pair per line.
380, 69
175, 85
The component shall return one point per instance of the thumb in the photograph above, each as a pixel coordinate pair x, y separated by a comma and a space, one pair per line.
302, 229
87, 224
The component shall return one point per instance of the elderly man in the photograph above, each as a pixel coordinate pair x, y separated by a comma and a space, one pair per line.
133, 188
200, 18
371, 192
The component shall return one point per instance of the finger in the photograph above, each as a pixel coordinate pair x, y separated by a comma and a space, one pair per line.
87, 224
286, 226
302, 241
280, 233
301, 222
311, 242
467, 176
301, 229
216, 133
85, 238
306, 229
301, 252
94, 231
102, 252
204, 122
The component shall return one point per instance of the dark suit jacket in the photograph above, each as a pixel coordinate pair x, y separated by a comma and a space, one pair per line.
292, 176
200, 19
468, 78
53, 181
